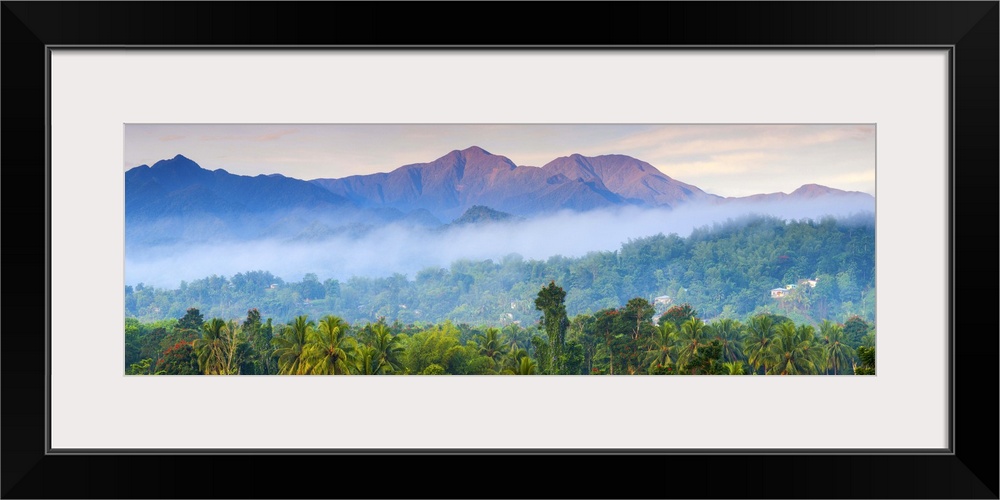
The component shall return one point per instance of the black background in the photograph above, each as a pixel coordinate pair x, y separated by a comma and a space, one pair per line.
971, 472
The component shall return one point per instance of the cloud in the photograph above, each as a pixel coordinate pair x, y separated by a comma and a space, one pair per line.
392, 249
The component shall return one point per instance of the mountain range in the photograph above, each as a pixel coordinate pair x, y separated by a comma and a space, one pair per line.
176, 198
455, 182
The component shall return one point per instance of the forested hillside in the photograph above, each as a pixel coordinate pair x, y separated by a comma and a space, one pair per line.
723, 271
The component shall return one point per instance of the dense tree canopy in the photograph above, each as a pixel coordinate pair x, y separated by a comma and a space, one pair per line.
727, 270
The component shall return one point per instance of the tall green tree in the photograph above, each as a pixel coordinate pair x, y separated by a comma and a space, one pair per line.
639, 312
678, 314
866, 355
179, 359
691, 337
855, 329
729, 333
259, 359
838, 353
436, 345
708, 360
364, 360
330, 351
869, 339
388, 350
490, 344
793, 351
757, 343
551, 301
291, 346
219, 347
192, 320
734, 368
660, 348
527, 366
605, 322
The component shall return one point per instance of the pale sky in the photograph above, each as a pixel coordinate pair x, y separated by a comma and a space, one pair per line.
727, 160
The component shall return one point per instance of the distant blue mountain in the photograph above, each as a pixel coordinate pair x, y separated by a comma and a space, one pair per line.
179, 186
176, 200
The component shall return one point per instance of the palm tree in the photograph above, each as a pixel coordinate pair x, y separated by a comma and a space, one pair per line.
837, 353
734, 368
757, 342
869, 340
491, 345
216, 349
792, 352
330, 351
730, 334
691, 337
526, 367
814, 347
661, 347
365, 360
291, 346
511, 361
388, 350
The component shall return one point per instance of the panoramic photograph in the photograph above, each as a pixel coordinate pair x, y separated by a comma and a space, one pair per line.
499, 249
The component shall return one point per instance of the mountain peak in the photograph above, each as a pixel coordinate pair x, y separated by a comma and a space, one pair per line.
811, 190
179, 162
475, 150
479, 214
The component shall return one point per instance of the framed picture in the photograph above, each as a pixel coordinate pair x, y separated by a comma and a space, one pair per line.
918, 80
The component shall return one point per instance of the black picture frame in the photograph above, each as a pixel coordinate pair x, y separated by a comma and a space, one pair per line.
969, 470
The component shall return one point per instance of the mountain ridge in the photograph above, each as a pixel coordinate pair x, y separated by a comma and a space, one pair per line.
177, 196
451, 184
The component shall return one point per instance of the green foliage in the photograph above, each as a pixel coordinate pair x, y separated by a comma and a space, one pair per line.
794, 351
866, 355
619, 341
140, 368
729, 333
387, 350
291, 346
179, 359
550, 301
258, 355
192, 320
708, 360
869, 339
220, 349
526, 366
571, 361
329, 350
433, 346
678, 314
433, 369
542, 354
490, 345
726, 269
837, 352
482, 317
693, 335
855, 328
734, 368
661, 349
757, 341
